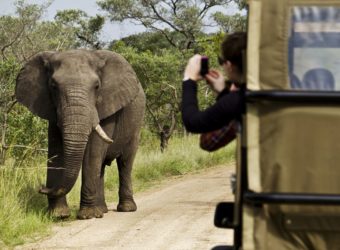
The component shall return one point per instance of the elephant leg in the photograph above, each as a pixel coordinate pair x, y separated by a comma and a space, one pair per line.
57, 207
125, 162
91, 178
100, 197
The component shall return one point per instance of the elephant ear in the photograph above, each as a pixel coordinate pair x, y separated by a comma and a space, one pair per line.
32, 87
119, 84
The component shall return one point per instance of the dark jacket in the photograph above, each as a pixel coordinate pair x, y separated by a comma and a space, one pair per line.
229, 106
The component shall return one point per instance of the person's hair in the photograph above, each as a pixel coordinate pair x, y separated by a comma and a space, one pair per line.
232, 49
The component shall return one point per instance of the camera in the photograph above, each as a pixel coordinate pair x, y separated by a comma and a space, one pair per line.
204, 66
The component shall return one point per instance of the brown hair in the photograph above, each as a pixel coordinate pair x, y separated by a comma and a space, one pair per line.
232, 49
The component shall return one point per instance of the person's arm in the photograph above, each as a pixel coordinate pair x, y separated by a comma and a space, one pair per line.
228, 107
219, 138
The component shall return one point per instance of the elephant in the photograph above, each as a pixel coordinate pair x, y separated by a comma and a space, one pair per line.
95, 107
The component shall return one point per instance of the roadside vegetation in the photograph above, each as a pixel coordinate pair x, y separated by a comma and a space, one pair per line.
22, 208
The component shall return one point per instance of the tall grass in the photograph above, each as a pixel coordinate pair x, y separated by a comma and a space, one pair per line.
22, 209
182, 156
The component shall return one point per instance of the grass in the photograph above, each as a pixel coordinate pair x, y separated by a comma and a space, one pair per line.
22, 209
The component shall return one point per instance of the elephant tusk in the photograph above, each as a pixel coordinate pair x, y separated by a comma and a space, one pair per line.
45, 190
103, 135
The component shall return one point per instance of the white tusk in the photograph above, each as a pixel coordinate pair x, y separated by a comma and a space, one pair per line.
103, 135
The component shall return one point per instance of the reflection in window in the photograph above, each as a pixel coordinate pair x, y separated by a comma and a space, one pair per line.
314, 48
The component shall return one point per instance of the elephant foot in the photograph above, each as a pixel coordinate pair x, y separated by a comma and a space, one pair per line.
127, 206
85, 213
60, 212
58, 208
103, 208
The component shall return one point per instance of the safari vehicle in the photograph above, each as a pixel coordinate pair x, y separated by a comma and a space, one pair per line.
288, 170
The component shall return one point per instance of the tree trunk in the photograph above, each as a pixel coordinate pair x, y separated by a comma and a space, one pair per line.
3, 148
164, 136
164, 143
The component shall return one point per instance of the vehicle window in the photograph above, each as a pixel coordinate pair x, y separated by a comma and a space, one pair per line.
314, 48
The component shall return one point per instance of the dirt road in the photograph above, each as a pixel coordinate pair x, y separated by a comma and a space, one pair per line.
176, 215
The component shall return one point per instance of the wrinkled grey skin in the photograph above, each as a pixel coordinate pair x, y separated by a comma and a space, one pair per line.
76, 90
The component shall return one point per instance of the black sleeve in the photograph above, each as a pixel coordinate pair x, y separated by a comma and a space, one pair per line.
224, 92
227, 108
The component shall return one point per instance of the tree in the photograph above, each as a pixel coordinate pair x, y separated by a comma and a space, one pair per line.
231, 24
24, 35
152, 41
15, 29
159, 68
161, 77
241, 4
85, 29
8, 71
179, 21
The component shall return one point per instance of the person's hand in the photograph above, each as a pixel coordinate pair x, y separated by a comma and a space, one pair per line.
192, 70
216, 80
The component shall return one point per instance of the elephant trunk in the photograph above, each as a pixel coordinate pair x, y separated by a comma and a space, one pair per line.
76, 129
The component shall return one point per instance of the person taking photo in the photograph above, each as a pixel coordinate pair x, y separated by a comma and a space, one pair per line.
229, 103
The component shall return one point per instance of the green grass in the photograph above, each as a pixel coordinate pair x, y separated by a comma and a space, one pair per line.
183, 156
22, 209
